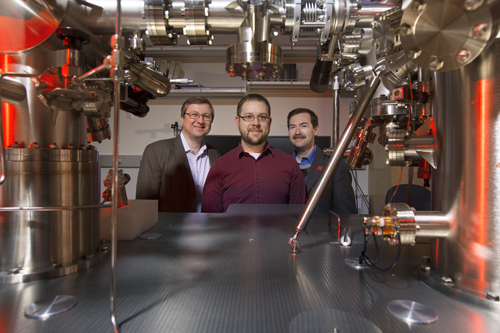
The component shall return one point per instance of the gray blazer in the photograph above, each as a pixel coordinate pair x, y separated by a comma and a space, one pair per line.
165, 176
339, 195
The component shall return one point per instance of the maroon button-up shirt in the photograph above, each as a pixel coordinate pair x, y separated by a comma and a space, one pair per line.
237, 177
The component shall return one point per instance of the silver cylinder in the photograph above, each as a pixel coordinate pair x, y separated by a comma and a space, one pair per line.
468, 122
432, 224
38, 242
12, 91
41, 244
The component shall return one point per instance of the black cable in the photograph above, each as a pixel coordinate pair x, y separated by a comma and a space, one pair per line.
363, 258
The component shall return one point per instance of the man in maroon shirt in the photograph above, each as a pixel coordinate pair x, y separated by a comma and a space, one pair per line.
254, 172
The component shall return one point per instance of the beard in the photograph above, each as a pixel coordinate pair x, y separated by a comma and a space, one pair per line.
252, 140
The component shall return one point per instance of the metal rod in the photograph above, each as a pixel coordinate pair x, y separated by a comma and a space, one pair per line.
114, 194
349, 131
336, 111
51, 209
106, 64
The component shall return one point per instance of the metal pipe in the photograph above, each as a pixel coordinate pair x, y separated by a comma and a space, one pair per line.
106, 64
336, 111
12, 91
116, 76
368, 11
349, 131
432, 224
50, 209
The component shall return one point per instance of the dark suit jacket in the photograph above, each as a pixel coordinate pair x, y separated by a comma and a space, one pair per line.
165, 176
339, 195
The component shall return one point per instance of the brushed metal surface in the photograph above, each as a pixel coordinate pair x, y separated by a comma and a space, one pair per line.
412, 312
32, 242
204, 275
50, 306
468, 123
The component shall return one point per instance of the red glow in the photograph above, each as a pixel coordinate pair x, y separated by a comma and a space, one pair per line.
8, 113
8, 110
19, 34
437, 253
484, 93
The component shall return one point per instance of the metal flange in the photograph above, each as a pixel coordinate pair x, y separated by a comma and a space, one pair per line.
443, 35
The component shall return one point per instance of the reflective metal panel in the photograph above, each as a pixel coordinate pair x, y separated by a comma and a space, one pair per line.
32, 242
468, 120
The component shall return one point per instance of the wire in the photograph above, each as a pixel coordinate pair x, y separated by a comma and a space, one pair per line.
397, 187
363, 258
362, 193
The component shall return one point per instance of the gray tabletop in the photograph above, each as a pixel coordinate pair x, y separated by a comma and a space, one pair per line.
234, 272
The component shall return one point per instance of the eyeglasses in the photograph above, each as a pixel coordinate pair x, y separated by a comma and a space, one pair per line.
205, 117
251, 118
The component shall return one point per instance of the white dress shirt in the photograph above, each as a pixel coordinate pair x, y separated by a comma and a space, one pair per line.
199, 165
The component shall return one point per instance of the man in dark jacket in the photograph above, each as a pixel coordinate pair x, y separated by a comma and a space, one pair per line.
339, 195
174, 171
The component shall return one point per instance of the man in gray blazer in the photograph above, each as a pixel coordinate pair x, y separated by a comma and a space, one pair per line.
174, 171
339, 195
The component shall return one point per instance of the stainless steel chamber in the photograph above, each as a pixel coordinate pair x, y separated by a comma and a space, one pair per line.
48, 163
468, 176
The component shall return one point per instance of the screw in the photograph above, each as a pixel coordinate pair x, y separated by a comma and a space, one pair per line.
53, 146
463, 56
418, 6
15, 145
56, 265
405, 29
479, 30
34, 145
412, 54
166, 14
436, 64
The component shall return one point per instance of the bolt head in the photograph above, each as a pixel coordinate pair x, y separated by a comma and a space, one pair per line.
479, 30
405, 29
463, 56
418, 5
472, 4
436, 64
